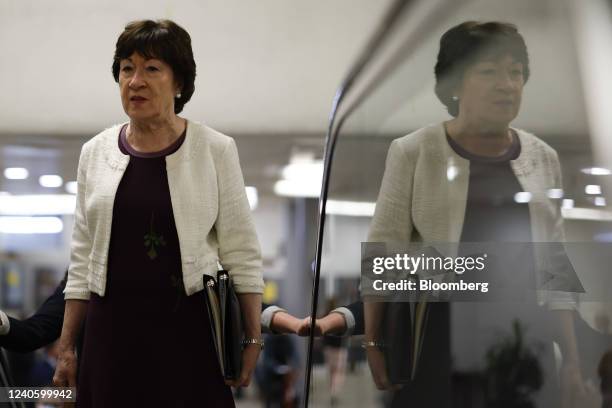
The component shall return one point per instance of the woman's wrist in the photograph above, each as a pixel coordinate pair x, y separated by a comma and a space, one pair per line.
64, 346
366, 344
253, 341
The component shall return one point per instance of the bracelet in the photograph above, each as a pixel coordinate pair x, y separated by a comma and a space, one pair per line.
260, 342
366, 344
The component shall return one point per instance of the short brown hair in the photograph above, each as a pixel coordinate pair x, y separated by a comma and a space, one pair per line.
466, 43
164, 40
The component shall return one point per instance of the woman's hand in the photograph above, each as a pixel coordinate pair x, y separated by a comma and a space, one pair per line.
573, 390
66, 368
250, 305
250, 354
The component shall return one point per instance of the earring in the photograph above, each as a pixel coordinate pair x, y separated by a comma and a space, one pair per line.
455, 98
178, 95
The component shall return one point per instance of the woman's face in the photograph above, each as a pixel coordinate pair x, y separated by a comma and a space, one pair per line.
491, 91
147, 88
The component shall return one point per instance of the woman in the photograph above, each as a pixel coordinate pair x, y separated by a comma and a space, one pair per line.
457, 181
160, 203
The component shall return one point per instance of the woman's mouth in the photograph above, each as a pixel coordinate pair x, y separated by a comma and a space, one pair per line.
504, 103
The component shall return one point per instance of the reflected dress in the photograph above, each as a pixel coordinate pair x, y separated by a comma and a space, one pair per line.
146, 343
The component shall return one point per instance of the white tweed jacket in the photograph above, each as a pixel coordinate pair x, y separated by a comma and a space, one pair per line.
210, 207
424, 192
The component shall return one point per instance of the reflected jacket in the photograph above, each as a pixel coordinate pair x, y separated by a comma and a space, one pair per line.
424, 192
210, 207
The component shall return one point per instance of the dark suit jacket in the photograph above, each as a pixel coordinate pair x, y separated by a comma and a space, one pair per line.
356, 309
6, 380
43, 328
5, 375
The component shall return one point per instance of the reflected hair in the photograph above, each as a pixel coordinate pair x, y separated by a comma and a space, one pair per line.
164, 40
466, 44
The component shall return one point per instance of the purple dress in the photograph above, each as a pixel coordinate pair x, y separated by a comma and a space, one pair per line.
146, 343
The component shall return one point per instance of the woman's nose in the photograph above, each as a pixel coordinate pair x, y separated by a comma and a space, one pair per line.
137, 80
506, 82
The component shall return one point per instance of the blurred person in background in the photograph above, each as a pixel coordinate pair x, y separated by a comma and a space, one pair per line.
161, 202
41, 374
277, 371
456, 181
335, 352
605, 375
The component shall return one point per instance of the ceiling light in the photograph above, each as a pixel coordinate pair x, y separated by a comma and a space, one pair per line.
600, 201
591, 214
302, 177
252, 196
567, 204
291, 188
593, 189
50, 180
596, 171
16, 173
30, 225
555, 193
522, 197
451, 172
37, 204
71, 187
303, 170
350, 208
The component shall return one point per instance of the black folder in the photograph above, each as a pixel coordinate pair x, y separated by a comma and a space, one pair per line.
404, 327
225, 323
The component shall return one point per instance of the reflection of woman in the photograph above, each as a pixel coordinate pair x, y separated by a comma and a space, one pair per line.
161, 201
457, 181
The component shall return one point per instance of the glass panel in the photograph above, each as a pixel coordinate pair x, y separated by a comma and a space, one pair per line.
518, 169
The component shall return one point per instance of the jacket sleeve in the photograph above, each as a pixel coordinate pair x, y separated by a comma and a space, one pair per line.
353, 318
392, 221
356, 309
77, 287
562, 283
268, 312
39, 330
239, 251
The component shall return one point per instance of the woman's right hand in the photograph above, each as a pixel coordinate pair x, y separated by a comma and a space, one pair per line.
378, 368
66, 368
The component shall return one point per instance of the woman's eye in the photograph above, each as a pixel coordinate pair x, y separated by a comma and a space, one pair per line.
152, 68
488, 71
126, 69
